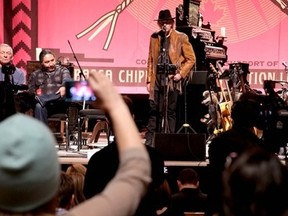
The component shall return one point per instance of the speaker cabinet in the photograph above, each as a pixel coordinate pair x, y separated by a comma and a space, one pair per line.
181, 146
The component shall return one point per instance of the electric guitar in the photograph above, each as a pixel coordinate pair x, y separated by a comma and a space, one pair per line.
225, 106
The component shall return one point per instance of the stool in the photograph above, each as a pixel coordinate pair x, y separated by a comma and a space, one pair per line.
63, 118
84, 116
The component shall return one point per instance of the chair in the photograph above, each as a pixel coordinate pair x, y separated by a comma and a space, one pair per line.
84, 116
63, 118
101, 125
68, 123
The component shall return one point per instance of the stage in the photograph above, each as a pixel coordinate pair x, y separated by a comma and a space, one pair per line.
74, 156
171, 168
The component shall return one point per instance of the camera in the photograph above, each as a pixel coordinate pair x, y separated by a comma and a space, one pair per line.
273, 118
166, 68
79, 91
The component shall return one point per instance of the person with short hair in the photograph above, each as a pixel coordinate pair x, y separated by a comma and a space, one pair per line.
48, 85
15, 74
189, 198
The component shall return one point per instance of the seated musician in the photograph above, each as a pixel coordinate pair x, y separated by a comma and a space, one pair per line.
48, 85
11, 79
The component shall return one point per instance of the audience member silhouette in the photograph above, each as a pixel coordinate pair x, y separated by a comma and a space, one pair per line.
65, 194
163, 195
76, 168
78, 181
189, 198
103, 166
30, 171
255, 184
245, 115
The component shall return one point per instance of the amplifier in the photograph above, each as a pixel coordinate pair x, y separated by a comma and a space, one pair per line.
181, 146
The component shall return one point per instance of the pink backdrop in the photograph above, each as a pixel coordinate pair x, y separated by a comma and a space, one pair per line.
1, 22
256, 33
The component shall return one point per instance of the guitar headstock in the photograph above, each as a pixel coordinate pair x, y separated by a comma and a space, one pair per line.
212, 67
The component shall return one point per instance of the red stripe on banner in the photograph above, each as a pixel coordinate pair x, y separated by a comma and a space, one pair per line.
22, 36
21, 25
21, 55
21, 16
1, 22
17, 2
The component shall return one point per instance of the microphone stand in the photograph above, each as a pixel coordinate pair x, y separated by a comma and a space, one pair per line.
82, 75
165, 60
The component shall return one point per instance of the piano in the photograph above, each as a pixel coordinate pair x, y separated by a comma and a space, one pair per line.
201, 36
214, 52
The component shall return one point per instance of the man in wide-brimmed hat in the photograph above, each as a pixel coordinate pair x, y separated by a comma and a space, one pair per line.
171, 58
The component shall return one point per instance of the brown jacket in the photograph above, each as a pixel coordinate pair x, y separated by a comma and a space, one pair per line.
181, 54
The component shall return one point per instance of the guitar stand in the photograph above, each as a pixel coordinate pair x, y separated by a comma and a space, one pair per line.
185, 126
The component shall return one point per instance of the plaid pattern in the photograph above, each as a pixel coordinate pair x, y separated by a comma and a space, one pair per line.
48, 82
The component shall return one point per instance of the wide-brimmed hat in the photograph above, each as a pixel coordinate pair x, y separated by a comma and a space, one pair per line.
164, 15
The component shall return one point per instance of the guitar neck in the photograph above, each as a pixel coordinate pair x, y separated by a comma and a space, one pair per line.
225, 81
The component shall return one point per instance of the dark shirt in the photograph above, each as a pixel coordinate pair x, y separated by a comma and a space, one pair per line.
8, 90
103, 166
48, 82
188, 200
235, 140
163, 61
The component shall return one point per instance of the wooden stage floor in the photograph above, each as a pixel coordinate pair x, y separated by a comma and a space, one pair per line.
74, 156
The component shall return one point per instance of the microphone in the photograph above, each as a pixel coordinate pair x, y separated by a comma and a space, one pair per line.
284, 64
8, 68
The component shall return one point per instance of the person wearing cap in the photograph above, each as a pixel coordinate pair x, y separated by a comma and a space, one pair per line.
30, 170
170, 59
